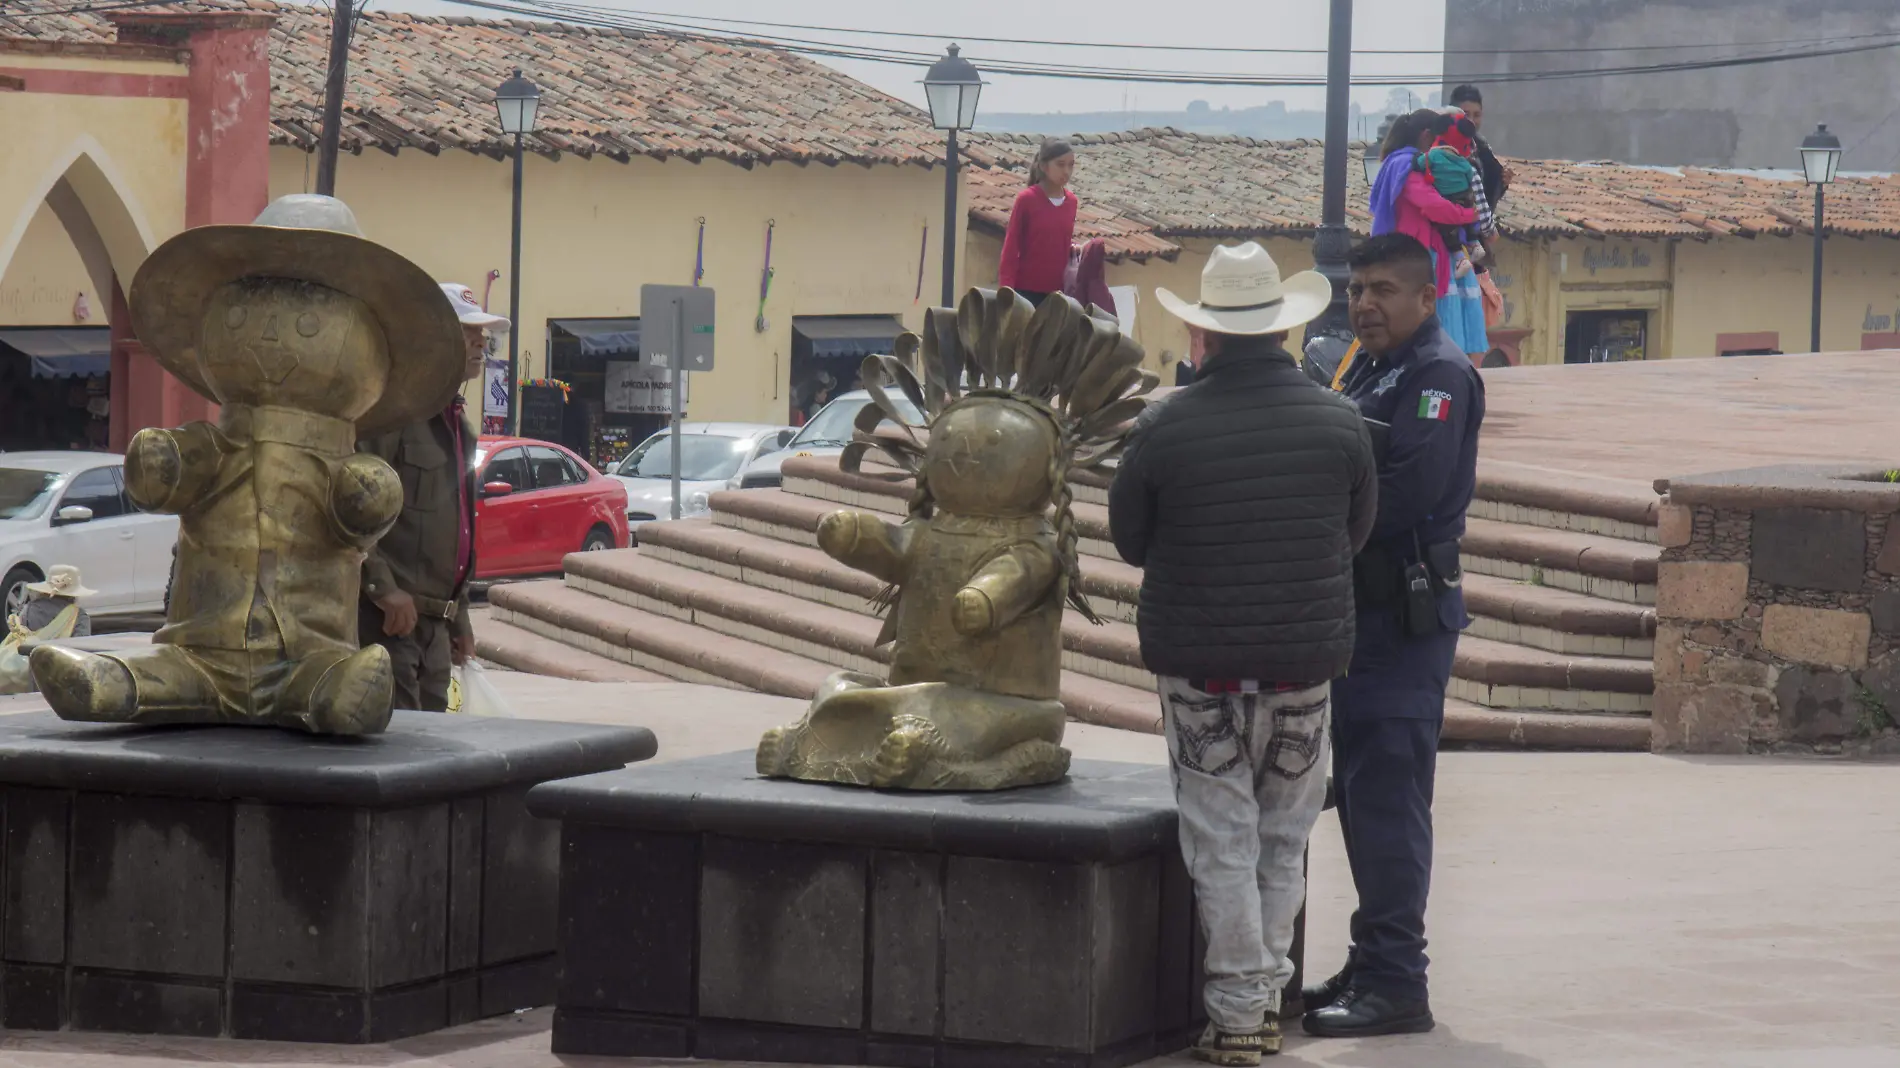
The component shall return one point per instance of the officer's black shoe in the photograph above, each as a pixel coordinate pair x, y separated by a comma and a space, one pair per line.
1320, 995
1360, 1013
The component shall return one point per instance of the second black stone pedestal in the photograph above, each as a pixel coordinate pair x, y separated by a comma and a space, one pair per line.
253, 883
706, 912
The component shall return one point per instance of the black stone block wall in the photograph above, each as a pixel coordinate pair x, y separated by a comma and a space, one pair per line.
319, 923
728, 948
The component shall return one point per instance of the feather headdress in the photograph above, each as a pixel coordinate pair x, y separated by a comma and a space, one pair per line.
1071, 363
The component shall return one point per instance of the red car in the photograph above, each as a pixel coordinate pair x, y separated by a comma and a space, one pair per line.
540, 502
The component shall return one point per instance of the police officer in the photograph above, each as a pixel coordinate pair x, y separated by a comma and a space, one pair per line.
415, 582
1422, 395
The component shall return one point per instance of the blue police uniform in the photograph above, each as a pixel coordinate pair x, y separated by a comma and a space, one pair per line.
1390, 707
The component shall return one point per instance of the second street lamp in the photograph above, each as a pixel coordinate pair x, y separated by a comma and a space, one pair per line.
952, 86
1820, 163
517, 104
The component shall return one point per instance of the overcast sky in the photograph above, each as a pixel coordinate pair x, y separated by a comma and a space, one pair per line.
1378, 24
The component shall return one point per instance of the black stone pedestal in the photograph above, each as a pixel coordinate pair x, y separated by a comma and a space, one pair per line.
253, 883
706, 912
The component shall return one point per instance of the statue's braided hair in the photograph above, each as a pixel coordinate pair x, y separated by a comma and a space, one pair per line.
1069, 362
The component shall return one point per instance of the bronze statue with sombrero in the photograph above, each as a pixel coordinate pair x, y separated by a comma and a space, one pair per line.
307, 335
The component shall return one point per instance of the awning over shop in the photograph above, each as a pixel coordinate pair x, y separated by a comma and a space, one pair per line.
603, 337
841, 335
75, 352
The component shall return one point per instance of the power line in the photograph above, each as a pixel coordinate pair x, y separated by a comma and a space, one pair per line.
829, 49
707, 19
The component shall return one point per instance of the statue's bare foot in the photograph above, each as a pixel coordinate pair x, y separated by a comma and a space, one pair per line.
85, 687
910, 745
353, 696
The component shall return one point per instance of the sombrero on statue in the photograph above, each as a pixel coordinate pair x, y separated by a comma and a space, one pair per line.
313, 239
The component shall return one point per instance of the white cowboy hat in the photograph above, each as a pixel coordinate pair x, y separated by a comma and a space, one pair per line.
1242, 293
62, 580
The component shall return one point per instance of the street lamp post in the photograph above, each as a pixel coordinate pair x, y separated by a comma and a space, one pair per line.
1333, 243
516, 102
1820, 162
952, 86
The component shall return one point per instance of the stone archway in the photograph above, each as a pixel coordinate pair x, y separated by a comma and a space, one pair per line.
134, 140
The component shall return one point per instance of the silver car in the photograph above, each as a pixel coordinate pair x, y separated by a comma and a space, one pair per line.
72, 508
826, 435
711, 457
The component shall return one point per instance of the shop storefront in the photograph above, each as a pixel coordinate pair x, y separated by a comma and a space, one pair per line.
613, 401
827, 351
55, 388
1606, 336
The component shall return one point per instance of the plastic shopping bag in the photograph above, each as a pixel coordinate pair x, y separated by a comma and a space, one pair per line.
472, 693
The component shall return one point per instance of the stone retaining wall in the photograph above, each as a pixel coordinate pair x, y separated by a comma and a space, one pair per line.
1779, 612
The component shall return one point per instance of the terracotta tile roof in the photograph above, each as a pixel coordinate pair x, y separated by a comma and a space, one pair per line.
428, 83
992, 192
1176, 184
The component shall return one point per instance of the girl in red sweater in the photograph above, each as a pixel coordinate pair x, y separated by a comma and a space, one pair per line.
1041, 226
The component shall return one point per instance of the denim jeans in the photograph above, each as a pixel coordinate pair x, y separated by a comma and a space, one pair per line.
1249, 781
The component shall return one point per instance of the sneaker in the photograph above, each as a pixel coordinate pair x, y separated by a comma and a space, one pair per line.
1236, 1051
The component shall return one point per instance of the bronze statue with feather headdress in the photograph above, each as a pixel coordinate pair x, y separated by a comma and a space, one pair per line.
1017, 397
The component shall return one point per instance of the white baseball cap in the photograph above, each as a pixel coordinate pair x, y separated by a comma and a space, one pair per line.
469, 310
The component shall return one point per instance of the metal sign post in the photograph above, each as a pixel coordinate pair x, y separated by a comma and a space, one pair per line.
676, 330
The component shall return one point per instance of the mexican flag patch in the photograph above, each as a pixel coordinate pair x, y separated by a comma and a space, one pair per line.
1434, 404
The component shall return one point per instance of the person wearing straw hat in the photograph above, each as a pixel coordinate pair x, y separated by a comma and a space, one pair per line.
1243, 498
307, 335
415, 581
61, 591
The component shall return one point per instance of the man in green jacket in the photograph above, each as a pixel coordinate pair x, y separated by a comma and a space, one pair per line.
415, 581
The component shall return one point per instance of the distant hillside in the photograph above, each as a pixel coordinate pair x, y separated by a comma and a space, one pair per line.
1269, 122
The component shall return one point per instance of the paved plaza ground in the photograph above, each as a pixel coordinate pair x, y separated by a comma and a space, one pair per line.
1637, 422
1590, 910
1612, 911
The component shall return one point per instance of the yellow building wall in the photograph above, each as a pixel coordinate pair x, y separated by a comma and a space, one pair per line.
847, 242
125, 157
1164, 338
1733, 286
42, 284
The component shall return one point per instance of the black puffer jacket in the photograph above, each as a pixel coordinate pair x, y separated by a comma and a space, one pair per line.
1244, 498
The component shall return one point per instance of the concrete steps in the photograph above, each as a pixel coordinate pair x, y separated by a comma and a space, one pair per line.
1500, 675
1531, 496
1558, 655
1609, 568
721, 633
1545, 617
518, 649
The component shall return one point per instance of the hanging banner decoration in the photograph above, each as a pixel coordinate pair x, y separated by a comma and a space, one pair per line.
699, 254
765, 279
495, 388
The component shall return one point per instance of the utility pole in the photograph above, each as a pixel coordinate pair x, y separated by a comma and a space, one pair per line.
333, 97
1333, 242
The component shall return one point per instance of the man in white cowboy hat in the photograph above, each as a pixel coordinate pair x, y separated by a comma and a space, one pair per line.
1243, 498
415, 581
61, 590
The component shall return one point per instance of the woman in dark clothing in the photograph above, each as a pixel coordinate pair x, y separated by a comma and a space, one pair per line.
1041, 226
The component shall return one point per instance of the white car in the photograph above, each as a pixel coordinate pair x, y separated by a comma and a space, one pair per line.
826, 435
711, 457
72, 508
